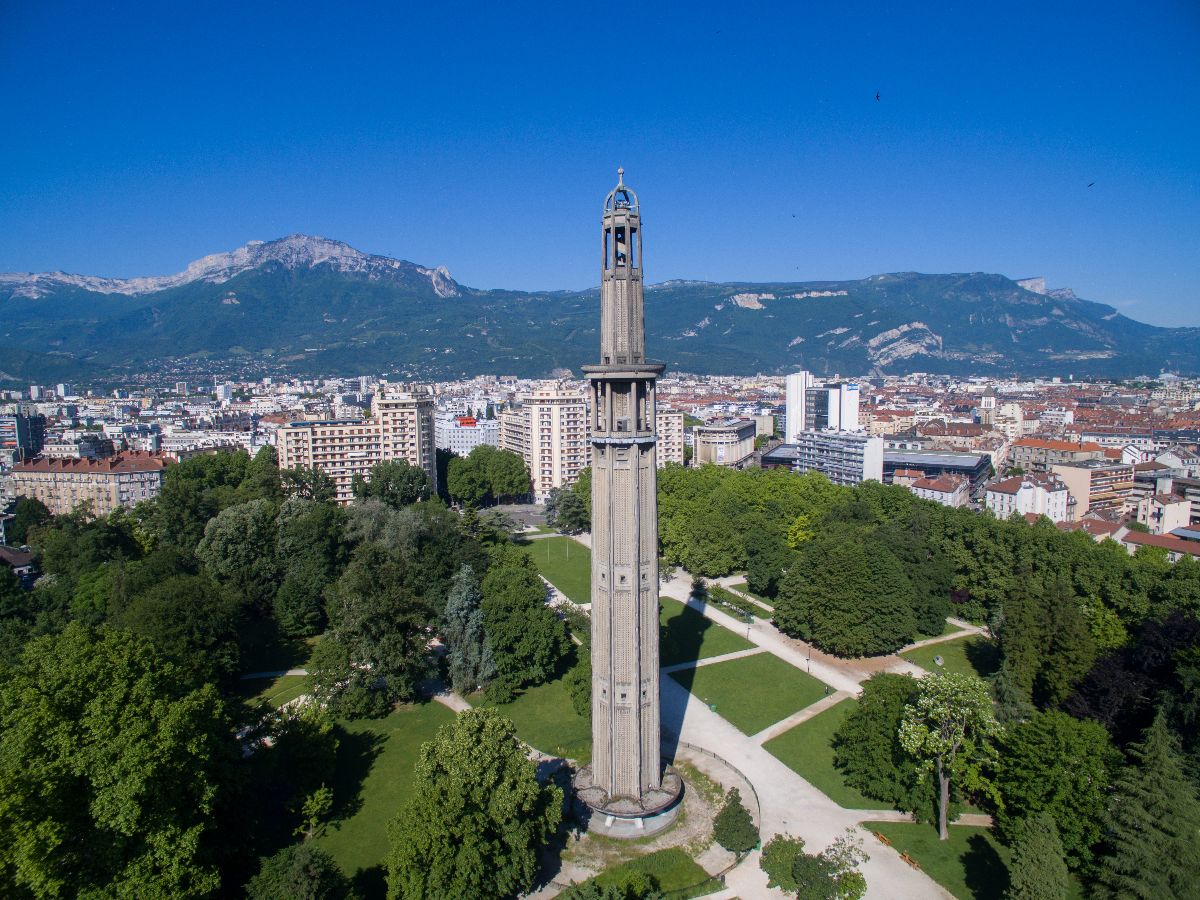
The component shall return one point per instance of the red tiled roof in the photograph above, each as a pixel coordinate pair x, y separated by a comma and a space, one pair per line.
1166, 541
129, 461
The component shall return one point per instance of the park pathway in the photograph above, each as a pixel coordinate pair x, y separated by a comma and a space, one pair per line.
710, 660
278, 673
796, 718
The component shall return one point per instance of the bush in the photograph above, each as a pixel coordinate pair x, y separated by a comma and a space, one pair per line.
734, 828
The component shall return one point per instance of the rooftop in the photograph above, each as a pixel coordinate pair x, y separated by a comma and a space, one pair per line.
129, 461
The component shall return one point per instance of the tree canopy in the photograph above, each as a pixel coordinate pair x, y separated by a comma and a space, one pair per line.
477, 816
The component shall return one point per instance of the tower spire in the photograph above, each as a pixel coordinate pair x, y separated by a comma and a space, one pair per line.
626, 776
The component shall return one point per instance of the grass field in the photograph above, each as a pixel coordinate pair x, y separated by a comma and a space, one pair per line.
754, 691
686, 635
566, 564
275, 691
807, 750
373, 778
972, 864
678, 875
970, 655
546, 721
766, 601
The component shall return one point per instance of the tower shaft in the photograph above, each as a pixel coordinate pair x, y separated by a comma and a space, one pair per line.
626, 759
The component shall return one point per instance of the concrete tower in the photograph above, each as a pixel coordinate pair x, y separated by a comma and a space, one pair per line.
626, 776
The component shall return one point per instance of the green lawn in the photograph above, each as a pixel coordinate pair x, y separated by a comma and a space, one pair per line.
765, 601
678, 875
754, 691
686, 635
275, 691
546, 721
971, 864
374, 775
807, 750
566, 564
970, 655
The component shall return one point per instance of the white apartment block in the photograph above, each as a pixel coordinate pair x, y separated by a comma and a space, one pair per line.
401, 427
844, 457
945, 489
668, 428
462, 434
1163, 513
550, 432
1038, 495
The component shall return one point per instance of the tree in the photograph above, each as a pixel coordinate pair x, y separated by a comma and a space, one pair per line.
867, 746
528, 640
299, 603
1071, 650
469, 653
308, 484
467, 481
1061, 766
189, 623
382, 624
846, 600
28, 513
477, 817
815, 878
1038, 870
778, 860
733, 827
572, 515
110, 770
238, 548
950, 729
1153, 824
622, 884
299, 872
507, 475
578, 682
395, 482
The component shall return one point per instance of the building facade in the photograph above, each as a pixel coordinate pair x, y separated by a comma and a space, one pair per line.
549, 430
462, 434
1025, 495
844, 457
1097, 486
723, 442
21, 437
947, 490
401, 427
123, 480
1038, 455
668, 428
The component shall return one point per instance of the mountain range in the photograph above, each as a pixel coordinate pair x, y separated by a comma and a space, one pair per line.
313, 306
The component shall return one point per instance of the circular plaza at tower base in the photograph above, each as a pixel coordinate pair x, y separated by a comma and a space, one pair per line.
623, 816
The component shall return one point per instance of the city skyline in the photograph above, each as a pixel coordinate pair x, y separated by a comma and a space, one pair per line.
1007, 146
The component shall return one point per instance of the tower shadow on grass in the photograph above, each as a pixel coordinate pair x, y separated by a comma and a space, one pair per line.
985, 872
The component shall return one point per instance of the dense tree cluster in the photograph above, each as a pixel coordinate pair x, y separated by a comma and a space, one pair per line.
125, 744
487, 475
569, 509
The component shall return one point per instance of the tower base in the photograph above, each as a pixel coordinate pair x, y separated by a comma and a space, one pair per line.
625, 816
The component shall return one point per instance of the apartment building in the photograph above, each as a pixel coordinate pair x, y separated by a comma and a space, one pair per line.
1038, 455
21, 437
1097, 485
123, 480
725, 442
1030, 495
400, 427
1163, 513
549, 430
947, 490
462, 434
844, 457
668, 428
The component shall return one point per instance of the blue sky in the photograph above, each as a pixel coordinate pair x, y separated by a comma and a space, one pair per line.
483, 137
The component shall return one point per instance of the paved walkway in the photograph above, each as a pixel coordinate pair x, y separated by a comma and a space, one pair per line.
710, 660
773, 731
942, 638
277, 674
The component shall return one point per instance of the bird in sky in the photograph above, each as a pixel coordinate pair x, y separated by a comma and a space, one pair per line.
1092, 184
877, 96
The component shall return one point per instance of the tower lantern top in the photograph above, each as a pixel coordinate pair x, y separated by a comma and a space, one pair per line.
621, 197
